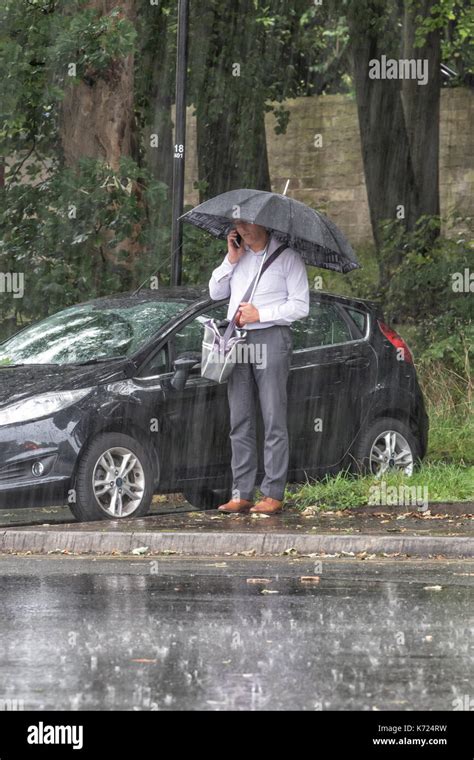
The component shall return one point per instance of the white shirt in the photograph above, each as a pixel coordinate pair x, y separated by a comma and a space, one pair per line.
282, 293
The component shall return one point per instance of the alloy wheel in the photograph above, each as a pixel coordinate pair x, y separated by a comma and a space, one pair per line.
391, 451
118, 482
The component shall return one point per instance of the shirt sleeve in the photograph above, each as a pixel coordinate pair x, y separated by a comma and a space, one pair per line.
219, 284
296, 305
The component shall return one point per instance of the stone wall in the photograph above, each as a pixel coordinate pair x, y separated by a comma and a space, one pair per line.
331, 178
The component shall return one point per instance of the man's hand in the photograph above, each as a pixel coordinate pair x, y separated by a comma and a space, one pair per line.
248, 313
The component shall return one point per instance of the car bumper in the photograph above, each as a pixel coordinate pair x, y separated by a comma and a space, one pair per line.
37, 461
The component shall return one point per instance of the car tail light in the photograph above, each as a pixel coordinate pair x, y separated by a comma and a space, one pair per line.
396, 340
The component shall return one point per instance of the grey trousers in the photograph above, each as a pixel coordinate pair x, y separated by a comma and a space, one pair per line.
263, 372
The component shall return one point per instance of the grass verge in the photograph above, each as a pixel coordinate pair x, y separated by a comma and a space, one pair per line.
443, 483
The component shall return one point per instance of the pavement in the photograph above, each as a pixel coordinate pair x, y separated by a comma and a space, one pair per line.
444, 530
278, 633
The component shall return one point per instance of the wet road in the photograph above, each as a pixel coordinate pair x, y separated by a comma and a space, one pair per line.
235, 633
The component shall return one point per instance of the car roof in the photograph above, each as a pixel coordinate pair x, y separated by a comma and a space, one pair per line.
163, 293
188, 293
346, 300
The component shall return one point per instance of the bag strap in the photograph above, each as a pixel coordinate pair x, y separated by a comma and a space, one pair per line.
252, 287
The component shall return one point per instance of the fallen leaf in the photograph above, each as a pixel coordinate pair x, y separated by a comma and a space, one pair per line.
144, 660
310, 579
140, 550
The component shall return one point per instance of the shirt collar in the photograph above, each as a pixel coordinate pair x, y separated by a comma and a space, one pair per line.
259, 254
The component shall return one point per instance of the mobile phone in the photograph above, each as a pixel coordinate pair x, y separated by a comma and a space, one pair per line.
237, 241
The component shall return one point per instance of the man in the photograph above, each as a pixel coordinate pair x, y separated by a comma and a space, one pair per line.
281, 297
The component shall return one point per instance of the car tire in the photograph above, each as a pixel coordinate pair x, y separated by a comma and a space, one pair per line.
206, 498
113, 450
376, 454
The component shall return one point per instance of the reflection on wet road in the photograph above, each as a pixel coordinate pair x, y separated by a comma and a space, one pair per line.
235, 633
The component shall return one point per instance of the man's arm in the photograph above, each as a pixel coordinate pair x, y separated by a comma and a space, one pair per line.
296, 305
219, 284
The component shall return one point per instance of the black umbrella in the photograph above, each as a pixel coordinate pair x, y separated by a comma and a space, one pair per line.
314, 236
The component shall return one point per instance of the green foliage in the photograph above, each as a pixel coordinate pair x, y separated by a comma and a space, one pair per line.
38, 44
451, 437
65, 233
202, 254
422, 290
91, 41
455, 20
29, 93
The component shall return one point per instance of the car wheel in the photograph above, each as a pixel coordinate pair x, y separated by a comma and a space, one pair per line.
388, 445
206, 498
114, 479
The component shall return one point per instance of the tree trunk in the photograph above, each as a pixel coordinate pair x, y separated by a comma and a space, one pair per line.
386, 156
97, 121
231, 152
421, 105
231, 139
97, 118
161, 96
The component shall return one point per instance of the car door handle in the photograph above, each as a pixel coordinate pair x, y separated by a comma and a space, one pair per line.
357, 361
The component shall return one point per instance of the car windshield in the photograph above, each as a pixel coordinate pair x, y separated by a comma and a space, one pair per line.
89, 332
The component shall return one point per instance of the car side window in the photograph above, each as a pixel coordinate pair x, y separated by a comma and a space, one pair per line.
157, 365
323, 326
189, 337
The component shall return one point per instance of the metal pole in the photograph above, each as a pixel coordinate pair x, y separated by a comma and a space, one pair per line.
179, 146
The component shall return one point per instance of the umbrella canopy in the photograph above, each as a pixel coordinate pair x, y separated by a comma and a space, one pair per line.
319, 241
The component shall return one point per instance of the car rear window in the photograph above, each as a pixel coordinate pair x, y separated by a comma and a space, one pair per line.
324, 326
359, 317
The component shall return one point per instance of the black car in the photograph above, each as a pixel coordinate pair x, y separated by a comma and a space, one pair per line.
102, 404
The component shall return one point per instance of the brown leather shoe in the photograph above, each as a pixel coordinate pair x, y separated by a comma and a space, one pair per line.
235, 505
268, 506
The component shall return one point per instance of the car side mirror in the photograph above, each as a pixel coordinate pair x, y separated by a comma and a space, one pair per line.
182, 367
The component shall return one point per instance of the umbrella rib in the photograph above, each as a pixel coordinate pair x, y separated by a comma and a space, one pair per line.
255, 195
321, 216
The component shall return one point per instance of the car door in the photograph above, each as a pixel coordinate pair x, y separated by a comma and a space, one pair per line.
197, 417
333, 366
